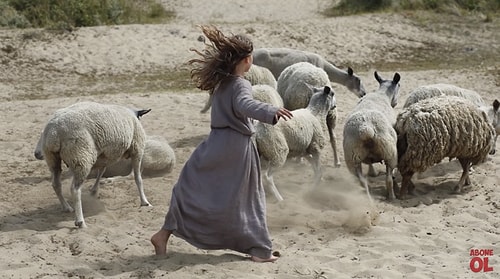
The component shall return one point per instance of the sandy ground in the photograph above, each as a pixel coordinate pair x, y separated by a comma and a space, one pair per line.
326, 232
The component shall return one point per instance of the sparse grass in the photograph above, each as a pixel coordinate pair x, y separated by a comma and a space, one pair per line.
349, 7
69, 14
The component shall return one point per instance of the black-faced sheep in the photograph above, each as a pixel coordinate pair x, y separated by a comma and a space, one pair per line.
300, 136
277, 59
90, 135
294, 87
369, 135
433, 129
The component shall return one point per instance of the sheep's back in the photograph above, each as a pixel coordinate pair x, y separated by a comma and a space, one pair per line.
442, 89
267, 94
295, 81
260, 75
439, 127
109, 129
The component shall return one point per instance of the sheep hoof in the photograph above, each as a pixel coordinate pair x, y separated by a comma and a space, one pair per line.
80, 224
337, 165
146, 204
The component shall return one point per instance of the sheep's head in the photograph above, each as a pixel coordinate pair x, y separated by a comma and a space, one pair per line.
390, 87
354, 83
322, 100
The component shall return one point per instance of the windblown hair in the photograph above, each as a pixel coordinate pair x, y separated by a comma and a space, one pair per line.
219, 59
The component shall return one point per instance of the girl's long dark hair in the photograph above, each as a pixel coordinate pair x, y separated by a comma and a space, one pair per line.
219, 58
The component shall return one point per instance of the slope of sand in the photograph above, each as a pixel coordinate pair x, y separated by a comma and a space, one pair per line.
325, 232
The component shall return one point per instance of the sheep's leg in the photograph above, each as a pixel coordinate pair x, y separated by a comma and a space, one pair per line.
371, 171
330, 123
268, 175
95, 188
465, 175
55, 168
76, 192
405, 185
363, 181
315, 162
389, 180
136, 164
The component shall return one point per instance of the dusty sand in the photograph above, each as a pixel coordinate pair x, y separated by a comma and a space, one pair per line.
329, 232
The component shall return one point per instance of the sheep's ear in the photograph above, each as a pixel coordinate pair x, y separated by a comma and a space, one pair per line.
350, 71
496, 105
378, 78
142, 112
327, 90
396, 78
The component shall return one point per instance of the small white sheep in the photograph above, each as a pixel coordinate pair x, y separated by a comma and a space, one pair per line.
90, 135
277, 59
301, 136
433, 129
442, 89
294, 86
158, 159
256, 75
369, 136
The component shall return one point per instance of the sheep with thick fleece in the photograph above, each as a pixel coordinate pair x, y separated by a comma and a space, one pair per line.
442, 89
294, 86
277, 59
439, 127
90, 135
369, 135
300, 136
256, 75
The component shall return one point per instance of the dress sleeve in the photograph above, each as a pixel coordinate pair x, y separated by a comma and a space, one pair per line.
245, 105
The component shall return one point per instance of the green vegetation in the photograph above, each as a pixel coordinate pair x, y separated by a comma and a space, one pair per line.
68, 14
349, 7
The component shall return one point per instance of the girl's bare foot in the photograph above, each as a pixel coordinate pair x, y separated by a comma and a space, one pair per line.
261, 260
159, 241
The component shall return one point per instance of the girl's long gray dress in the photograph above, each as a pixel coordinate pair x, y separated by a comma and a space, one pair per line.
218, 201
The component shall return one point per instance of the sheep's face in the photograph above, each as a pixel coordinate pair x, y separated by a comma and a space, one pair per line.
354, 84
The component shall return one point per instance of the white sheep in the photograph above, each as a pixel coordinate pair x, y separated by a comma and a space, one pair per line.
90, 135
369, 136
256, 75
442, 89
158, 159
277, 59
433, 129
294, 86
300, 136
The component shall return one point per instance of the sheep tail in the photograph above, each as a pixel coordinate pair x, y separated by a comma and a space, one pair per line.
367, 135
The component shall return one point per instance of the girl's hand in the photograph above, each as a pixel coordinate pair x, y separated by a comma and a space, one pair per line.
284, 113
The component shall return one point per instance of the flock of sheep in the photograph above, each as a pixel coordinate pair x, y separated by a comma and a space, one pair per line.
437, 121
